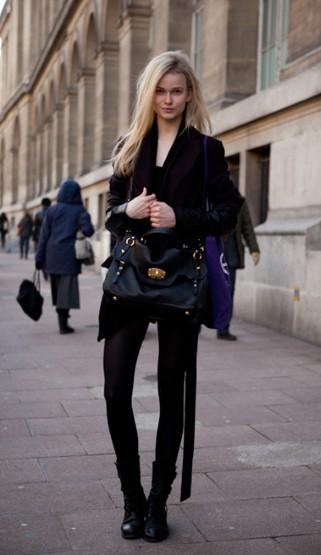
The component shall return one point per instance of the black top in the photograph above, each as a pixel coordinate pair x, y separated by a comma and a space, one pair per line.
157, 180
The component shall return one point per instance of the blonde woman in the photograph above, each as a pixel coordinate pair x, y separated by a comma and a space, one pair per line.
161, 158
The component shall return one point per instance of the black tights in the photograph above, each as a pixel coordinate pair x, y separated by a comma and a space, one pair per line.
177, 354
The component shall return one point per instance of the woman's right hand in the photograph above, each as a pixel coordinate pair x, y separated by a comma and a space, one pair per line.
139, 207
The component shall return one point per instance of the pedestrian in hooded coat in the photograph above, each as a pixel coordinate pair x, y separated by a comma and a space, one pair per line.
56, 249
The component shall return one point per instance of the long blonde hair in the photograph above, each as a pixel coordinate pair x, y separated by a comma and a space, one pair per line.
124, 155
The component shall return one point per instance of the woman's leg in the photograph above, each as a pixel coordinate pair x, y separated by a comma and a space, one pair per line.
120, 358
177, 355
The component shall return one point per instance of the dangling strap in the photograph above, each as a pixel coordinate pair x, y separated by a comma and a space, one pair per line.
189, 431
190, 381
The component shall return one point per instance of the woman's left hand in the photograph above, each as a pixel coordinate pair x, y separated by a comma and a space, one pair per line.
162, 215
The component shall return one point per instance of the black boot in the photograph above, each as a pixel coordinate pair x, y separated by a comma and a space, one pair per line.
156, 529
63, 315
132, 526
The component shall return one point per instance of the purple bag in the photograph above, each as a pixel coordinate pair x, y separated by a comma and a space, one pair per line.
217, 268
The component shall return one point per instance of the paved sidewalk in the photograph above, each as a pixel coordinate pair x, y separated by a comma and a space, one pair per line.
257, 471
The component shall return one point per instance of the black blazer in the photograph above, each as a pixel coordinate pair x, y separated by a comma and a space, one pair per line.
182, 187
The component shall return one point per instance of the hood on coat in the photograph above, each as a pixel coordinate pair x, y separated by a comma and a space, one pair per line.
69, 193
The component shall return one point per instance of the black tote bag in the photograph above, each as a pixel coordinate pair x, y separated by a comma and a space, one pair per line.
29, 297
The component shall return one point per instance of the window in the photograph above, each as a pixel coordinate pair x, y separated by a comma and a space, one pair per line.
257, 183
197, 38
274, 40
233, 163
264, 161
101, 211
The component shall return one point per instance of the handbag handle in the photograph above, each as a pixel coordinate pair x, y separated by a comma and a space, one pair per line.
36, 279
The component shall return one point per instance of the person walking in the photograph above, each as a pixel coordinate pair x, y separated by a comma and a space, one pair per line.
160, 159
56, 249
4, 228
39, 218
234, 252
25, 227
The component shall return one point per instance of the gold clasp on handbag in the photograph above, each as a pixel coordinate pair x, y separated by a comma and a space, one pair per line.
156, 273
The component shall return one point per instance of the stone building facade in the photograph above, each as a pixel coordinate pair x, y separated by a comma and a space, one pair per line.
68, 74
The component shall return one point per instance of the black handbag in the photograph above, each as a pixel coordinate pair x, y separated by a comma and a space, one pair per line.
159, 275
29, 297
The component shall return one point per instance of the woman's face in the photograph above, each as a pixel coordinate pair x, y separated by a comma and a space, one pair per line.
171, 96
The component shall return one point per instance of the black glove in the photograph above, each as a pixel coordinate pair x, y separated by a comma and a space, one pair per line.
39, 265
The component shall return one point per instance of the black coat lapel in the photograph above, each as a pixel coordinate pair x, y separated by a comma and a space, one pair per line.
180, 164
145, 163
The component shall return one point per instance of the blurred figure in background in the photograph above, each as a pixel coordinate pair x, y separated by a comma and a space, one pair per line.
25, 227
235, 256
39, 217
56, 249
4, 228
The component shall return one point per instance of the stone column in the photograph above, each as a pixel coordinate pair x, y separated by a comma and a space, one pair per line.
86, 129
57, 145
32, 167
7, 177
14, 154
70, 133
24, 153
134, 54
106, 100
49, 154
37, 164
45, 157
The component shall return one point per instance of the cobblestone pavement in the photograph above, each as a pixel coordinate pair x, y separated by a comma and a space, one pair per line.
257, 470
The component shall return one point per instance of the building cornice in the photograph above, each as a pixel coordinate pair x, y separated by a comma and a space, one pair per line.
282, 96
